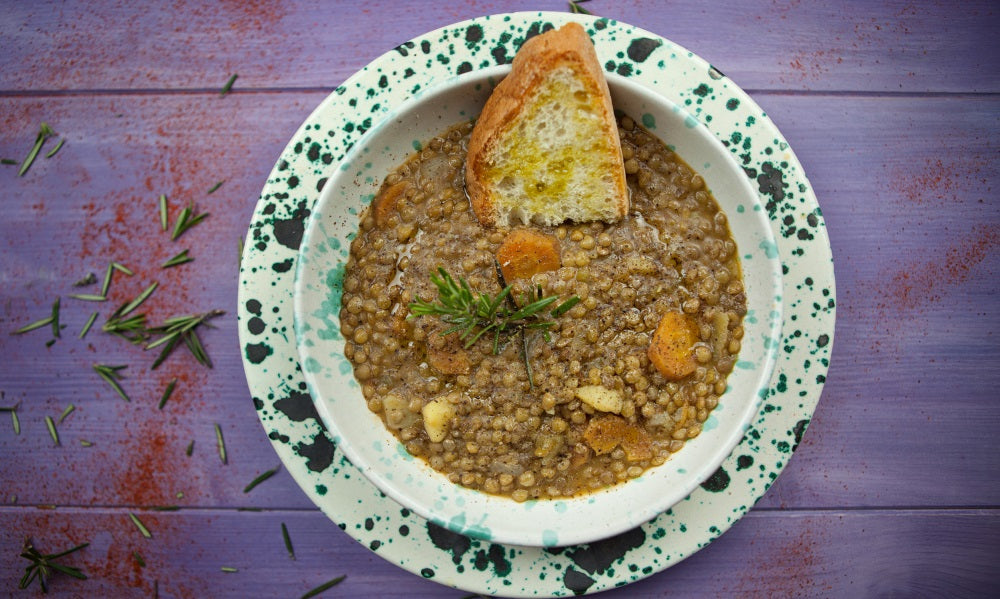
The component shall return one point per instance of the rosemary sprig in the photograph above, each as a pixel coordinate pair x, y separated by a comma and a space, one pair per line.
473, 314
132, 329
44, 132
182, 329
138, 524
186, 220
111, 375
288, 541
229, 84
324, 587
90, 323
263, 476
41, 566
181, 258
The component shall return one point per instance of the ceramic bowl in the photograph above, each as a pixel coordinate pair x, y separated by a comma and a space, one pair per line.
361, 435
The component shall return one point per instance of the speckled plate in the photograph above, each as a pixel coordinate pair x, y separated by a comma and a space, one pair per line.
292, 422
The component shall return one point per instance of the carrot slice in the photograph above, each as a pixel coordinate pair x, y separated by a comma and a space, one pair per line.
525, 252
672, 349
385, 204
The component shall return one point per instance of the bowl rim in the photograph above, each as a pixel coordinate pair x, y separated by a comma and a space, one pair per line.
636, 514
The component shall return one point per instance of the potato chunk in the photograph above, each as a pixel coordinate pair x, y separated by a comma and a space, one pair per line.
437, 415
525, 252
672, 349
600, 398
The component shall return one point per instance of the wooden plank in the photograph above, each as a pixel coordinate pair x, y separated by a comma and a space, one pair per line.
766, 554
906, 419
890, 46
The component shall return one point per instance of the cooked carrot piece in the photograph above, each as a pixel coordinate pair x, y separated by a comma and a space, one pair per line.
446, 354
525, 252
606, 432
385, 203
672, 349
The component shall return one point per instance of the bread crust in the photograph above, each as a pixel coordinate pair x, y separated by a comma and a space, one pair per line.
567, 46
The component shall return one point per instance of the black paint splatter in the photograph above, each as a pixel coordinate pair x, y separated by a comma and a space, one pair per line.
449, 541
297, 407
771, 182
256, 326
599, 555
743, 462
473, 35
289, 232
641, 47
258, 352
253, 307
283, 266
718, 482
577, 581
319, 453
702, 90
495, 556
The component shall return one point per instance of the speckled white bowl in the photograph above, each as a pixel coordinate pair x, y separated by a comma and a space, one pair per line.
361, 435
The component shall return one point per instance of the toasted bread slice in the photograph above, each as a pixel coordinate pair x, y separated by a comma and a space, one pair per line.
545, 148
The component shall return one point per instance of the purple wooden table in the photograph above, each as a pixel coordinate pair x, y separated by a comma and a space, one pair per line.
892, 107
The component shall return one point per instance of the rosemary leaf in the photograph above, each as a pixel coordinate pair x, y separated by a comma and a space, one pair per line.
52, 430
186, 220
122, 268
111, 376
35, 325
228, 569
107, 280
44, 132
55, 318
88, 297
324, 587
69, 410
90, 323
239, 256
15, 422
190, 449
166, 394
8, 161
90, 279
138, 559
263, 476
215, 187
229, 84
181, 258
86, 443
138, 300
221, 443
53, 151
288, 541
163, 212
138, 524
574, 7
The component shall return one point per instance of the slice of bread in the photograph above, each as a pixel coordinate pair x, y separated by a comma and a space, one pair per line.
545, 148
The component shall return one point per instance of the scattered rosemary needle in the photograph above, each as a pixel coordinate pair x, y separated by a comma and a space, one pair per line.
88, 297
42, 565
215, 187
221, 443
90, 323
181, 258
55, 318
190, 449
239, 255
34, 325
8, 161
138, 300
111, 375
166, 394
574, 7
163, 211
228, 569
186, 220
324, 587
138, 559
138, 524
229, 84
122, 268
107, 280
263, 476
53, 151
86, 443
90, 279
52, 430
15, 421
69, 410
44, 132
288, 541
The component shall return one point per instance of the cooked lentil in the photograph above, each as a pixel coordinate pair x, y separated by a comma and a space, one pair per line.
498, 433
